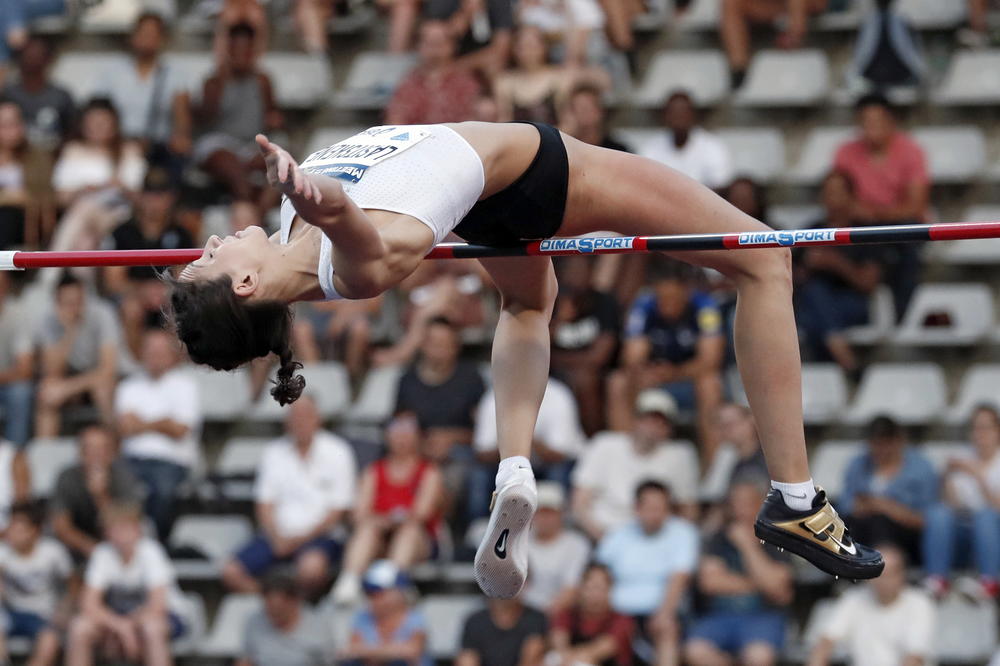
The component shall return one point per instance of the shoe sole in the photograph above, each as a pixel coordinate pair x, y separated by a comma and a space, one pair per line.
503, 578
819, 557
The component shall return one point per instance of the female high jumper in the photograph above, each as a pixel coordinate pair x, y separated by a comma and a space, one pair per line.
359, 216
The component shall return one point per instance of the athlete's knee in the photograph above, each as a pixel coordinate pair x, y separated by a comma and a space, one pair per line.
772, 266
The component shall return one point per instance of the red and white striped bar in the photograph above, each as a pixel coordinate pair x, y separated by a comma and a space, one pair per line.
552, 247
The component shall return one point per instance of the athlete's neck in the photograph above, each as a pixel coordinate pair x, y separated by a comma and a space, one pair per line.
292, 272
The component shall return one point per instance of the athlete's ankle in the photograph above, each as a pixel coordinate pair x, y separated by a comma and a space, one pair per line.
511, 466
797, 496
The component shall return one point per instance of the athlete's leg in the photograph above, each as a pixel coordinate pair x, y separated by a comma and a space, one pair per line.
520, 372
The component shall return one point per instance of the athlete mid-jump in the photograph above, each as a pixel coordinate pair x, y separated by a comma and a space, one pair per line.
359, 217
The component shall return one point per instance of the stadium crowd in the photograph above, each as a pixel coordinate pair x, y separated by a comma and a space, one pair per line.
642, 549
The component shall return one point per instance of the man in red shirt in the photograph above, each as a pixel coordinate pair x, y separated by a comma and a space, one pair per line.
437, 90
888, 172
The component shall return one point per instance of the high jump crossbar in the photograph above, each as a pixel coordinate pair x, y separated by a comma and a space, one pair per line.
913, 233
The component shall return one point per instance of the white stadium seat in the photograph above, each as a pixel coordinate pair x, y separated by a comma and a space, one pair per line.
973, 78
939, 453
824, 392
973, 251
881, 319
955, 154
816, 157
225, 396
327, 136
932, 14
966, 632
80, 73
829, 463
912, 393
225, 640
191, 67
794, 216
968, 307
217, 537
300, 81
704, 74
372, 78
117, 16
47, 458
635, 138
329, 385
757, 153
786, 78
980, 386
445, 616
193, 613
377, 397
701, 15
237, 466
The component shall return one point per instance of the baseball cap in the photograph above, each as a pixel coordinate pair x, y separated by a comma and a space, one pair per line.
384, 575
655, 401
551, 495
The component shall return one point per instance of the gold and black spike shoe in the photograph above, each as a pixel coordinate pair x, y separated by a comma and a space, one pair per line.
817, 535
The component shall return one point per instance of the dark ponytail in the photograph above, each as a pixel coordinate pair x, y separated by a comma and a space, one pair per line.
223, 331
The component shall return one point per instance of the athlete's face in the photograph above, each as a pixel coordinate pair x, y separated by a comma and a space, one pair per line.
239, 256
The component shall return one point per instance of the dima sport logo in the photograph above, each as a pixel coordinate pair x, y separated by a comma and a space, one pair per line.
788, 238
586, 245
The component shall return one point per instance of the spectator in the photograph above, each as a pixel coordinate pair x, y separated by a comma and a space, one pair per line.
652, 560
585, 117
17, 366
442, 390
13, 192
977, 34
746, 588
398, 511
591, 632
389, 631
536, 88
15, 480
967, 520
887, 53
437, 90
34, 576
79, 338
340, 330
159, 419
674, 340
403, 16
739, 15
558, 440
285, 631
888, 171
84, 490
483, 29
505, 633
570, 25
740, 457
688, 147
838, 285
612, 467
888, 490
130, 604
238, 12
556, 555
237, 103
47, 108
584, 329
749, 196
305, 488
883, 622
151, 95
14, 22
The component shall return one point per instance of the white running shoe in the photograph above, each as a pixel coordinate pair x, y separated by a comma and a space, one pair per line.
501, 563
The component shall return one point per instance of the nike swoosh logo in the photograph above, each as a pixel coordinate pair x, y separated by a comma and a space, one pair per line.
500, 549
851, 550
802, 496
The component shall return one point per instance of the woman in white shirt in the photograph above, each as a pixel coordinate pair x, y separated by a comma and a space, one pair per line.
13, 147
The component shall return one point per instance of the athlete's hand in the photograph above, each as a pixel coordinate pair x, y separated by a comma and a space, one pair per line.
284, 173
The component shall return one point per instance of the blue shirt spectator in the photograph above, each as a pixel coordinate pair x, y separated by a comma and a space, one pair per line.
915, 484
673, 330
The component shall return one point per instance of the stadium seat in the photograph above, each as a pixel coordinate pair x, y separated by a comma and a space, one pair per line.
217, 537
372, 78
966, 632
794, 216
968, 309
327, 136
881, 318
912, 393
972, 79
757, 153
829, 463
193, 68
703, 74
360, 17
377, 397
117, 16
47, 458
327, 382
80, 72
445, 616
847, 19
786, 78
194, 618
225, 639
225, 396
824, 392
817, 153
980, 385
955, 154
635, 137
655, 18
940, 452
701, 15
932, 14
973, 251
301, 81
236, 466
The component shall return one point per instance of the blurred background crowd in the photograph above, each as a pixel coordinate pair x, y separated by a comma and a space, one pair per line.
153, 512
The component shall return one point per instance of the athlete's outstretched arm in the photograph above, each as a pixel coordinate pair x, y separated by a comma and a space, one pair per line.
370, 254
